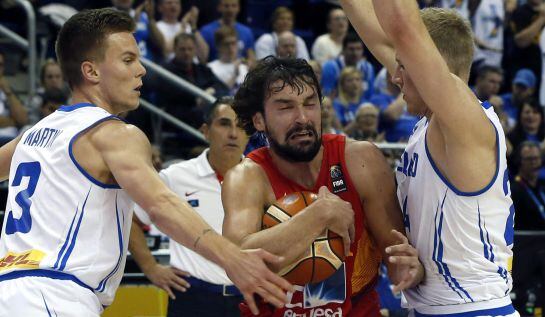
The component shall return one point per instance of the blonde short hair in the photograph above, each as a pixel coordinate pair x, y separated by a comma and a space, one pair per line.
453, 37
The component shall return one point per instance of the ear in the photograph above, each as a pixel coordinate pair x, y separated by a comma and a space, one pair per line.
90, 72
259, 122
204, 130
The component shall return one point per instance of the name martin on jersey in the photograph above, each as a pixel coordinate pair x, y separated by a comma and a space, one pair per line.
43, 137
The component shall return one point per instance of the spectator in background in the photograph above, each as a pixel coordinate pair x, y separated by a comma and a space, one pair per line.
396, 122
351, 95
352, 55
179, 103
282, 21
229, 68
365, 126
170, 26
287, 45
199, 182
13, 114
328, 46
529, 126
330, 123
522, 88
527, 189
528, 194
229, 10
52, 99
488, 82
148, 37
527, 23
51, 78
488, 23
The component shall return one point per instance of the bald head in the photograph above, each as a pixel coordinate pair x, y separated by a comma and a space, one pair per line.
287, 45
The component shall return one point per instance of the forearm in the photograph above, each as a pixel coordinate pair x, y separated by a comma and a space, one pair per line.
182, 224
202, 48
525, 37
298, 233
361, 14
139, 249
17, 110
157, 36
395, 110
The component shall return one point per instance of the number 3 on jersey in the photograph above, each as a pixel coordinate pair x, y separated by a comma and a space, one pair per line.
31, 170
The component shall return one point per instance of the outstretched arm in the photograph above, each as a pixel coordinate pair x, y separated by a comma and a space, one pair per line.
130, 163
362, 16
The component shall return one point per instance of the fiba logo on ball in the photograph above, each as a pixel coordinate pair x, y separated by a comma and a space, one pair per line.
324, 256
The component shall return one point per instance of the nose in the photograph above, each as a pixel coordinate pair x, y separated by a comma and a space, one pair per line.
141, 70
301, 115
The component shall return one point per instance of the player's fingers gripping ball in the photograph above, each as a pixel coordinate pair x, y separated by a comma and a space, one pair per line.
324, 256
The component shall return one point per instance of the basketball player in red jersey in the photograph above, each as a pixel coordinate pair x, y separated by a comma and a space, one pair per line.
282, 98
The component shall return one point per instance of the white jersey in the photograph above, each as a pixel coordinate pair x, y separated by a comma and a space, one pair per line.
196, 182
62, 223
464, 239
488, 28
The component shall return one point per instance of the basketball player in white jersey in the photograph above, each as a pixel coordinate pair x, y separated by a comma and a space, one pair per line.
452, 183
72, 180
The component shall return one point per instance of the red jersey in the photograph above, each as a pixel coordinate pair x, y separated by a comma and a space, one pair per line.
349, 291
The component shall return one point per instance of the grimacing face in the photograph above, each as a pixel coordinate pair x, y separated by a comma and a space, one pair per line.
292, 123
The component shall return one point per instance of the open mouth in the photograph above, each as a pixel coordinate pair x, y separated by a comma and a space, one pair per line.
301, 135
137, 89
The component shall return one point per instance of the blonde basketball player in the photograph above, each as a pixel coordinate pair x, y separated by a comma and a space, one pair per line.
452, 183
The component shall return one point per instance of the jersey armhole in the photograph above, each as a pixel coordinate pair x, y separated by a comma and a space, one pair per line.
78, 166
449, 184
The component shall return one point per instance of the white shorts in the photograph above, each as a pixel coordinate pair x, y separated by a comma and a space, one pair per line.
46, 297
506, 311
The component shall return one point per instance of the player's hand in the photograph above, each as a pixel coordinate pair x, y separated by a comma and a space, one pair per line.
249, 273
167, 277
408, 271
340, 215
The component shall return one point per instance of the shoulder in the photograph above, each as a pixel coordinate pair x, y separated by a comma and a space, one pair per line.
114, 133
241, 28
367, 151
265, 38
245, 172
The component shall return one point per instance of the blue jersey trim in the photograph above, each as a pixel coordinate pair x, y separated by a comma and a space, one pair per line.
81, 169
449, 184
56, 275
500, 311
75, 106
102, 285
47, 307
74, 237
59, 257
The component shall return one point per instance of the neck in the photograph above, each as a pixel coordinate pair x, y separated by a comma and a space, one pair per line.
227, 59
83, 96
221, 162
529, 178
170, 20
338, 36
227, 21
531, 130
353, 98
302, 173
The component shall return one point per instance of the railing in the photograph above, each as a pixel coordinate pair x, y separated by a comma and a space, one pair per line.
29, 44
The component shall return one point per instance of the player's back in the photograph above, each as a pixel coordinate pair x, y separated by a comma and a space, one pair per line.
61, 222
464, 239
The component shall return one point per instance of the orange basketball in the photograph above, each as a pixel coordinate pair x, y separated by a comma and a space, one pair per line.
323, 257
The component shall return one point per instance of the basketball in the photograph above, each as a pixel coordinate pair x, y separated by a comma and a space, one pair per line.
323, 257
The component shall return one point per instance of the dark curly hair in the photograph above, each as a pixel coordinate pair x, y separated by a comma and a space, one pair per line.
257, 86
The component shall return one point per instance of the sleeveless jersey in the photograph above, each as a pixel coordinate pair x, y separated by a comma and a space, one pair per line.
61, 222
464, 239
350, 291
